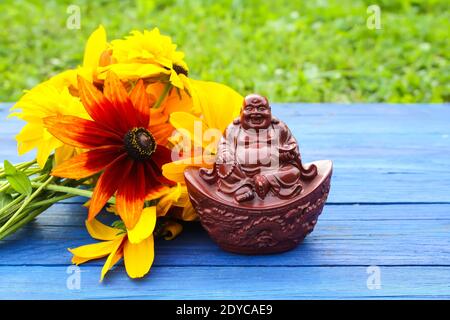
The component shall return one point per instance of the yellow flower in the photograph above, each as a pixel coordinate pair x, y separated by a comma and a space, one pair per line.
96, 54
148, 54
177, 198
55, 97
218, 105
135, 246
170, 229
43, 101
174, 199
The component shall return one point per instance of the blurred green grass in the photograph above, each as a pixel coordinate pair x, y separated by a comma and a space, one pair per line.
312, 51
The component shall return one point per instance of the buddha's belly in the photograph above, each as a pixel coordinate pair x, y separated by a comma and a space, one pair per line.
251, 158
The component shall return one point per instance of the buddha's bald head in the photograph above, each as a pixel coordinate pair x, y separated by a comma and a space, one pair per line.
255, 113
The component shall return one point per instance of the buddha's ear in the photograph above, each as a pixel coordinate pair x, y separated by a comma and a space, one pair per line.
237, 121
275, 120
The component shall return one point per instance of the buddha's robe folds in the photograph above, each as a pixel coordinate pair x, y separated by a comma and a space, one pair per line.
246, 153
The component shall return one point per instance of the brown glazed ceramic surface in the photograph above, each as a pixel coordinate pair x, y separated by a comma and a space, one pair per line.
262, 226
258, 197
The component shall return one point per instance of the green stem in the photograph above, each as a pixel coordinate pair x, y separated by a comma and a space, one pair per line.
25, 164
4, 186
51, 201
69, 190
18, 166
39, 178
163, 95
31, 172
35, 209
22, 222
25, 203
12, 203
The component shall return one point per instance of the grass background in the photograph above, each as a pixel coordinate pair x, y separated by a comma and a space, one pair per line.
312, 51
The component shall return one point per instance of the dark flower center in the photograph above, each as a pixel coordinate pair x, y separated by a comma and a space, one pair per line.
139, 143
180, 70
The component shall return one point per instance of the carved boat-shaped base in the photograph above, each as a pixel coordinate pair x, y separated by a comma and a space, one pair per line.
259, 226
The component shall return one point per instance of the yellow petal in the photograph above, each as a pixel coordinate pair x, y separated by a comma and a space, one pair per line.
157, 117
24, 147
218, 103
31, 136
189, 126
174, 170
30, 132
178, 100
112, 209
46, 147
99, 231
166, 202
176, 81
117, 257
87, 204
95, 46
171, 229
65, 153
46, 99
186, 83
158, 193
183, 199
66, 78
78, 260
130, 71
145, 226
138, 257
113, 258
95, 250
69, 78
189, 213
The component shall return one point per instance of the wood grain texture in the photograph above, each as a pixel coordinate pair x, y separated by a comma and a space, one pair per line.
389, 206
211, 282
402, 152
344, 235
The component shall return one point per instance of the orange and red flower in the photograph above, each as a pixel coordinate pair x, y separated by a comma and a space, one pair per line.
120, 143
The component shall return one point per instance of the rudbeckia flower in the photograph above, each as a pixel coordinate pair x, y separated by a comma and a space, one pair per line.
43, 101
218, 105
148, 54
135, 246
120, 143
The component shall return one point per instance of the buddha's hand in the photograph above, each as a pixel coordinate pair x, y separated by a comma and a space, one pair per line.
262, 186
224, 170
287, 155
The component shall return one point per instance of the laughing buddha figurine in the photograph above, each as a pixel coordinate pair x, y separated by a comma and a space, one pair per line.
259, 198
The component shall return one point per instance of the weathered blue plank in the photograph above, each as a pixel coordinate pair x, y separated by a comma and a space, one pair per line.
49, 282
344, 235
73, 214
398, 153
382, 153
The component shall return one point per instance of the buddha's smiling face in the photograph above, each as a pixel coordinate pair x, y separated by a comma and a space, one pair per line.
256, 113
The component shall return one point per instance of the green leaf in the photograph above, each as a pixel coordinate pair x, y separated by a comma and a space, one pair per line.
5, 198
17, 179
9, 168
118, 224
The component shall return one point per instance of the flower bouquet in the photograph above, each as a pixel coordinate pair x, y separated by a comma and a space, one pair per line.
118, 130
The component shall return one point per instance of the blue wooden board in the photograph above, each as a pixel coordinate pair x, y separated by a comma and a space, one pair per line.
389, 207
